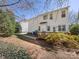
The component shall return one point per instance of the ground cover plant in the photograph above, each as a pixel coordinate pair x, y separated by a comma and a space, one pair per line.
10, 51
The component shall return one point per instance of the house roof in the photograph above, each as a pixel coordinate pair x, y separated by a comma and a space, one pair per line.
46, 13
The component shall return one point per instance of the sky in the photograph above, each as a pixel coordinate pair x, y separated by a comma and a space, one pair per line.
38, 9
74, 5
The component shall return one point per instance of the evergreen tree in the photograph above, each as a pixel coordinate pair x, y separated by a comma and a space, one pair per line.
7, 23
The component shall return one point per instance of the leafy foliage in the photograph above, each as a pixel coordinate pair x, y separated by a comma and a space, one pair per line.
7, 23
10, 51
18, 28
74, 29
58, 36
69, 41
42, 35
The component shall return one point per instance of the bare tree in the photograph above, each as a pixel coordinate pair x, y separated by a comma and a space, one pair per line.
78, 17
5, 3
58, 3
72, 17
30, 4
17, 3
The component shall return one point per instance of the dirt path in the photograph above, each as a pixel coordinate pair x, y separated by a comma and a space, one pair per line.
37, 52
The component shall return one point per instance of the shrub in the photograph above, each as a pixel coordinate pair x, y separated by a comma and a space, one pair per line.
76, 38
70, 41
42, 35
57, 36
74, 29
18, 28
10, 51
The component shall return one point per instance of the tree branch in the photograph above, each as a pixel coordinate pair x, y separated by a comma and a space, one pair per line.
10, 4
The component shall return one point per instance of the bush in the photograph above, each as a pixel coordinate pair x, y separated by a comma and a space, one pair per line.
54, 37
18, 28
10, 51
76, 38
74, 29
70, 41
7, 24
42, 35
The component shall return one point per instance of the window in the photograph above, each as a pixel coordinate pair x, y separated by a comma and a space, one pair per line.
63, 14
39, 28
59, 28
51, 16
48, 28
63, 28
45, 17
54, 29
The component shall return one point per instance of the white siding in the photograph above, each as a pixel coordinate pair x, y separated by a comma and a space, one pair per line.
24, 26
34, 23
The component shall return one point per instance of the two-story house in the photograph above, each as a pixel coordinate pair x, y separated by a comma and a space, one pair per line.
54, 21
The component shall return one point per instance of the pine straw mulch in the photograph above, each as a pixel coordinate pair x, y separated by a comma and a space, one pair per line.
39, 52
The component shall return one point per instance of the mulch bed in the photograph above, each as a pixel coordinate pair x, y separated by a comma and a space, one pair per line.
37, 41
